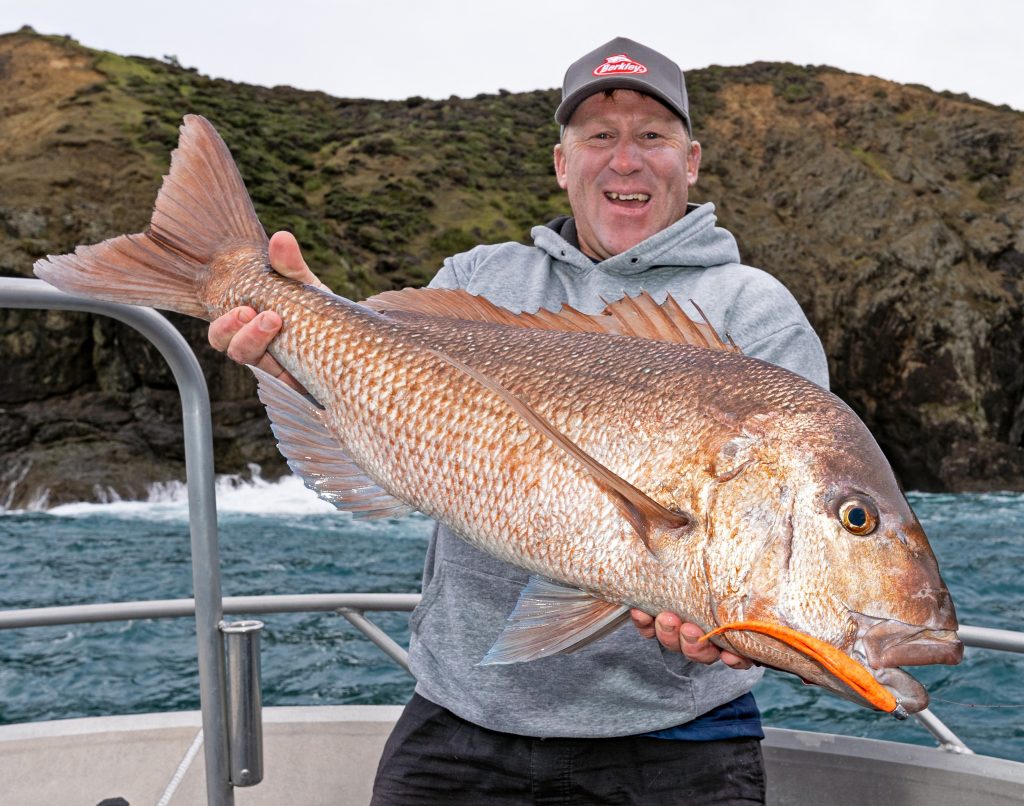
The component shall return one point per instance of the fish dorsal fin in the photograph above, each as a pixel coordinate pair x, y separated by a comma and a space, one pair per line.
456, 303
315, 455
644, 514
638, 316
644, 318
550, 619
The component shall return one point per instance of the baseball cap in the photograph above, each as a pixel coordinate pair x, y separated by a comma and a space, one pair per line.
624, 64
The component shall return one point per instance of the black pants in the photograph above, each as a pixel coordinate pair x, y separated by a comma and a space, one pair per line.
434, 757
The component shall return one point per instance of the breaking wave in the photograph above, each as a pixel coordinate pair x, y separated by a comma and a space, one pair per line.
236, 494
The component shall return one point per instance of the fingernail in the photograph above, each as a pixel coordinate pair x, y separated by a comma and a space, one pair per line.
691, 634
246, 315
267, 324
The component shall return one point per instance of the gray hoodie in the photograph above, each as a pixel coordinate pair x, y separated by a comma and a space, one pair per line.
622, 684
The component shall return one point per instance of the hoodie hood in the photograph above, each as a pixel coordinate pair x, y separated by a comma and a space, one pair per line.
693, 241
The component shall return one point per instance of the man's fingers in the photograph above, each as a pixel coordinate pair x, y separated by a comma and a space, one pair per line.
735, 661
666, 627
269, 365
223, 328
286, 258
676, 636
694, 648
706, 652
250, 342
643, 622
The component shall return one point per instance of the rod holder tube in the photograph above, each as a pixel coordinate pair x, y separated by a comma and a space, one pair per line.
245, 701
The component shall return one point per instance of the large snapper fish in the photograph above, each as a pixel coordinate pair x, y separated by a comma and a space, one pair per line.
628, 459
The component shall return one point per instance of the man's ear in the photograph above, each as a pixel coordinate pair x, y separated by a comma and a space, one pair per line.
693, 163
559, 156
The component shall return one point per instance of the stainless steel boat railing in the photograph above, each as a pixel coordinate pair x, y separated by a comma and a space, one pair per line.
202, 502
209, 607
353, 606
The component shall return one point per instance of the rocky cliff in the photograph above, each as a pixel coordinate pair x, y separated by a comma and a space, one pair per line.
895, 214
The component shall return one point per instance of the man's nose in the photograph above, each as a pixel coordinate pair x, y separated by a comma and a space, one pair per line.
626, 157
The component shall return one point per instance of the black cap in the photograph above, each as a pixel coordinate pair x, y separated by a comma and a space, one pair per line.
628, 65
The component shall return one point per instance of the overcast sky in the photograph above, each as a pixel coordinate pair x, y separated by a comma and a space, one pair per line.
389, 49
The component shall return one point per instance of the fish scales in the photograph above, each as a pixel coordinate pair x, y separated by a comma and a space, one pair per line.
534, 478
481, 455
635, 472
623, 393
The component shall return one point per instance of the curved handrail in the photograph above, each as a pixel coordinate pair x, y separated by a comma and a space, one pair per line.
202, 502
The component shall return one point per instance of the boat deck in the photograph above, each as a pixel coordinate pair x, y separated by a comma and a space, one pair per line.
312, 756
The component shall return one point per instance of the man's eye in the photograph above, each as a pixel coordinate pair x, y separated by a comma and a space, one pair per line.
650, 136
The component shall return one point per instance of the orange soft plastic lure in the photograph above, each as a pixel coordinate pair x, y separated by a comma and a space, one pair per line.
842, 666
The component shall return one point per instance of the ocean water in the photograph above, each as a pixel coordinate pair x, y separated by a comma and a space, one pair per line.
278, 538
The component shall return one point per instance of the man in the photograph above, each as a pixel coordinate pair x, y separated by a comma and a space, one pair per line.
623, 720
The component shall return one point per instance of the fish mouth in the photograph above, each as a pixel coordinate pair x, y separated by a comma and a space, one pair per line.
905, 688
886, 643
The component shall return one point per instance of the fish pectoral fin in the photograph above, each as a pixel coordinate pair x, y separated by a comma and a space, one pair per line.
644, 514
315, 455
551, 619
638, 316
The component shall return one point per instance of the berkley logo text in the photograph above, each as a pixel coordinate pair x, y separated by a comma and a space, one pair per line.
616, 65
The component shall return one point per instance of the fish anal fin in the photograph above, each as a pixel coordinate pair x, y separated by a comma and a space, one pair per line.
644, 514
551, 619
315, 455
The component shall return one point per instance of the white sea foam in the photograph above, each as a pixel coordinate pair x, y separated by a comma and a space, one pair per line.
235, 495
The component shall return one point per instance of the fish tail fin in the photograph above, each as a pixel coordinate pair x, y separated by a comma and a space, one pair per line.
202, 210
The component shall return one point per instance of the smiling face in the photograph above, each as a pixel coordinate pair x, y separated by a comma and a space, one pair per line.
627, 164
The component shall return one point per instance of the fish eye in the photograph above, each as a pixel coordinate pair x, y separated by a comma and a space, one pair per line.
858, 516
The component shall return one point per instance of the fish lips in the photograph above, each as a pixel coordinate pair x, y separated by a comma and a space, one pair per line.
910, 693
887, 643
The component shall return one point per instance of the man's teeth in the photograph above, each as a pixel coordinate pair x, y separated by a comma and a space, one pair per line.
627, 196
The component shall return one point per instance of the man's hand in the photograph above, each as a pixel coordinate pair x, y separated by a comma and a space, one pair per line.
244, 334
676, 636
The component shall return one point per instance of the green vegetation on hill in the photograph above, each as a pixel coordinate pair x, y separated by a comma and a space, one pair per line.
378, 193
